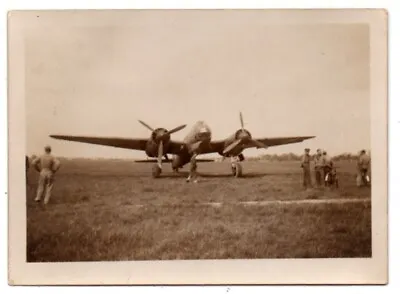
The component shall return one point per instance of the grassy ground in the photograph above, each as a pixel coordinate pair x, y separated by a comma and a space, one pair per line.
94, 214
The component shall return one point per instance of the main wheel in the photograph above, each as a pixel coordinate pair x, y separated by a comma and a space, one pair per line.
156, 171
237, 170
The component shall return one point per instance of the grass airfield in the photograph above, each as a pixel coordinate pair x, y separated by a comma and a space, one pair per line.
111, 210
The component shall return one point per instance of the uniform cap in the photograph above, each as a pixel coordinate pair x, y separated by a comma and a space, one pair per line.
307, 149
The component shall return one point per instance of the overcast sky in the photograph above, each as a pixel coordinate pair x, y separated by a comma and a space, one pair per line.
170, 69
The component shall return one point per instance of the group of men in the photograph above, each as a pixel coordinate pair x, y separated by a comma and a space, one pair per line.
325, 173
322, 164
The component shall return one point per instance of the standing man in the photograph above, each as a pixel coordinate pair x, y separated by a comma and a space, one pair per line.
305, 164
47, 165
363, 167
327, 165
319, 167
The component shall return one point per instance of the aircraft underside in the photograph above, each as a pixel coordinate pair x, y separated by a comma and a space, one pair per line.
180, 161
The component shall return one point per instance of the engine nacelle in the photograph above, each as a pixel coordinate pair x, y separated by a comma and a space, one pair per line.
242, 134
179, 161
160, 134
151, 148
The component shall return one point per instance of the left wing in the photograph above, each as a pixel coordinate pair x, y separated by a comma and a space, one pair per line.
135, 144
125, 143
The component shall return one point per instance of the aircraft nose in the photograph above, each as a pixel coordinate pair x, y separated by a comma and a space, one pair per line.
203, 135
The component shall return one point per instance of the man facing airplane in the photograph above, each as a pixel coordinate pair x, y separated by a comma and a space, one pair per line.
305, 165
327, 165
363, 165
319, 165
47, 165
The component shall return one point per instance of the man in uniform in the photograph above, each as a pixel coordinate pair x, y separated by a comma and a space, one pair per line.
319, 167
47, 165
327, 165
305, 164
363, 167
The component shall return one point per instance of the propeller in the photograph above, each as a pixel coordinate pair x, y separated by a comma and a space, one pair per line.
161, 136
176, 129
146, 125
259, 144
243, 136
232, 146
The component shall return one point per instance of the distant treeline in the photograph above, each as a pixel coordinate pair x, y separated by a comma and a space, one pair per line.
294, 157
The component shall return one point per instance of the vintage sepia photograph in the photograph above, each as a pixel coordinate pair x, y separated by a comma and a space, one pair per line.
193, 136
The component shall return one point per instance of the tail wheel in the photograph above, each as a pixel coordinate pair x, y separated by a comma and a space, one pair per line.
156, 171
237, 170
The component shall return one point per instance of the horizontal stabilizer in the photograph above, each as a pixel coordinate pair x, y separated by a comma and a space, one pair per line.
169, 160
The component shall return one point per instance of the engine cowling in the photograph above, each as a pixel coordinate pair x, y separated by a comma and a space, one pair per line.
160, 134
157, 136
243, 135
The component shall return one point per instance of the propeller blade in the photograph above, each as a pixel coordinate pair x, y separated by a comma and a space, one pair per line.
259, 144
232, 146
241, 120
146, 125
176, 129
160, 153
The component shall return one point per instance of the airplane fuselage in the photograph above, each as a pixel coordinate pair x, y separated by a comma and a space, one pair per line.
195, 141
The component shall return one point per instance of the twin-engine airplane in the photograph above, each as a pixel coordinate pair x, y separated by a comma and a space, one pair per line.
198, 141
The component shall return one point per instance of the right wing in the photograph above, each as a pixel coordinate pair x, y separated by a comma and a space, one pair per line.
169, 160
220, 145
135, 144
276, 141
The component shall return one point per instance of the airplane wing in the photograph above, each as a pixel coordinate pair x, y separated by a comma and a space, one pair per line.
218, 146
126, 143
169, 160
278, 141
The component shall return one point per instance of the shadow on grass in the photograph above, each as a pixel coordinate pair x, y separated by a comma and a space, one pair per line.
203, 175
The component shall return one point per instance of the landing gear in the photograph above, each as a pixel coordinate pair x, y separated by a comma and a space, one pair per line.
237, 169
193, 169
156, 171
